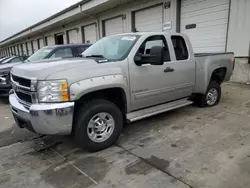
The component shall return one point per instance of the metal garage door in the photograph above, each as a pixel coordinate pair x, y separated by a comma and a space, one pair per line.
49, 41
149, 19
24, 49
205, 22
20, 49
40, 41
29, 48
89, 33
34, 45
73, 36
16, 50
113, 26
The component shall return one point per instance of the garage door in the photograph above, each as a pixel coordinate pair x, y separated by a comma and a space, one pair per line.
15, 50
20, 49
29, 48
49, 41
34, 45
24, 49
89, 33
150, 19
205, 22
73, 37
113, 26
41, 44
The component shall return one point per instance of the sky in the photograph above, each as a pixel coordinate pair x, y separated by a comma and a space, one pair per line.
16, 15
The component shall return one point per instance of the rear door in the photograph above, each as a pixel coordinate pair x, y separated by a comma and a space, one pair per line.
183, 66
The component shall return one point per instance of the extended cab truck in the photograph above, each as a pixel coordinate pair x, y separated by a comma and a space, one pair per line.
121, 78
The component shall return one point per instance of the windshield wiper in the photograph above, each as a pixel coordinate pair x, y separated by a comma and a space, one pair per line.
100, 56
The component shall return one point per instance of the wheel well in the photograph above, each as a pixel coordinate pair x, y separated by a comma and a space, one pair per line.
114, 95
219, 74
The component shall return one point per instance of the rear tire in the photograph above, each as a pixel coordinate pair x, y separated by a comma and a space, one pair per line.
211, 97
98, 125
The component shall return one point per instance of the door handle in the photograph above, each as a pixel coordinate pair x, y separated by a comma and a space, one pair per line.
169, 69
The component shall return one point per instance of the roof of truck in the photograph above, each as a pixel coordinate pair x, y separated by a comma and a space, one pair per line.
149, 33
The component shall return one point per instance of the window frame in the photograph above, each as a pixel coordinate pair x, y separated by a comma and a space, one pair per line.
185, 46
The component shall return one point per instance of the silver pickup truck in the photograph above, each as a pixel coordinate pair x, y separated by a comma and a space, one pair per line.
121, 78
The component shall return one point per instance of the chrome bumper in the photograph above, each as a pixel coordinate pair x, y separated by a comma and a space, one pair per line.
48, 119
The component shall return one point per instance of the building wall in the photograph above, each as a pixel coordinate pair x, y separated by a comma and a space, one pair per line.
239, 39
125, 9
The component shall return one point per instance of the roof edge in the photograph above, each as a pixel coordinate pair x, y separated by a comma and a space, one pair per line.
47, 19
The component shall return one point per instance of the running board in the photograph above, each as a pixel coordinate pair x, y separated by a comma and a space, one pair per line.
147, 112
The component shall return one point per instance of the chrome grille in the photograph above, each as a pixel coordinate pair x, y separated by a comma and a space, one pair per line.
20, 82
24, 97
22, 88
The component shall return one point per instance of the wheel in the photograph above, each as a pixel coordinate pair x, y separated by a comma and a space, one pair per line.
98, 125
212, 96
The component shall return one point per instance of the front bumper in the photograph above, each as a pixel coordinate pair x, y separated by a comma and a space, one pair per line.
47, 119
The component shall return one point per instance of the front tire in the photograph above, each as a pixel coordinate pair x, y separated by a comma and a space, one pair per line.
211, 97
98, 125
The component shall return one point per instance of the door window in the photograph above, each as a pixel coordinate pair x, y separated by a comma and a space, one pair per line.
152, 41
180, 48
64, 52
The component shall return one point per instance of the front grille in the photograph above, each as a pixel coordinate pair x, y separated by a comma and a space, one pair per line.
21, 81
24, 97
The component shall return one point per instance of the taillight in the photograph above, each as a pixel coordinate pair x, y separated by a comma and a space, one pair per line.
231, 60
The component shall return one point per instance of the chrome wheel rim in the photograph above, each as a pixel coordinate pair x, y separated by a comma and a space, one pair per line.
212, 96
100, 127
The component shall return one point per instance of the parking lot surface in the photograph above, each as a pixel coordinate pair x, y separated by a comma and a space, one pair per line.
188, 147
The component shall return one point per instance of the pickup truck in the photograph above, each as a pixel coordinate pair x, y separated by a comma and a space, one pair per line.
121, 78
5, 67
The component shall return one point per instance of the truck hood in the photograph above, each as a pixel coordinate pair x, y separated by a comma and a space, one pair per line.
42, 69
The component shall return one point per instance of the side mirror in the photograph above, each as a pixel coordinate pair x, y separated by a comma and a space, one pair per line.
156, 57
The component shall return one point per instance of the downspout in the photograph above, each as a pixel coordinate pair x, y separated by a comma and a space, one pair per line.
97, 20
248, 73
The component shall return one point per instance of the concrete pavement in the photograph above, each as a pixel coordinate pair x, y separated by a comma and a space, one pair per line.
188, 147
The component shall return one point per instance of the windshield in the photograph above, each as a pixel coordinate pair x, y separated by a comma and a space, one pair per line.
40, 54
112, 48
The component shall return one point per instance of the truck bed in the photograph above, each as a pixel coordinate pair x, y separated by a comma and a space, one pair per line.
206, 63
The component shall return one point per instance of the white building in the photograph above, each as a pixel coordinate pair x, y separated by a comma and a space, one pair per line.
212, 25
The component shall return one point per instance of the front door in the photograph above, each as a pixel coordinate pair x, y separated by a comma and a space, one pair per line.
150, 85
156, 84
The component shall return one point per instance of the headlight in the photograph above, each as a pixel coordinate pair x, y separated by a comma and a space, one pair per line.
53, 91
3, 80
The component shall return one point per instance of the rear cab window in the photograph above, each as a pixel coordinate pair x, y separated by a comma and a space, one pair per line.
180, 48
